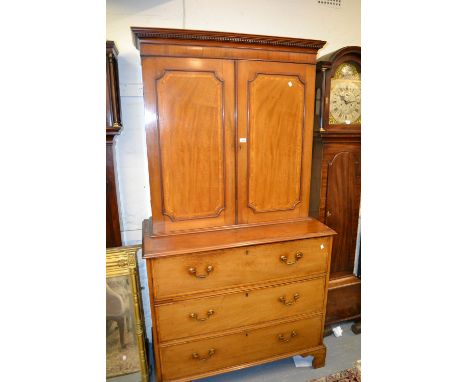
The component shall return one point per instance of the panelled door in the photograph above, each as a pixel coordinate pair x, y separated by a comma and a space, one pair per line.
274, 140
189, 112
342, 207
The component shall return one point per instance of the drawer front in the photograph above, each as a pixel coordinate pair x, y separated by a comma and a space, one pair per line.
220, 269
201, 356
207, 315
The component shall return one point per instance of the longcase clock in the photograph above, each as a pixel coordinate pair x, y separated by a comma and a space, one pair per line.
336, 174
113, 128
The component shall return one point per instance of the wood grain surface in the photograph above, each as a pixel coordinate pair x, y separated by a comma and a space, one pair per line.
238, 266
222, 312
229, 237
274, 161
190, 136
238, 348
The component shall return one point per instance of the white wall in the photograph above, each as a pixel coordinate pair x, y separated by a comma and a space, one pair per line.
294, 18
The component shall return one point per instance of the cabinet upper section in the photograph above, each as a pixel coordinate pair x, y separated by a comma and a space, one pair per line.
194, 43
228, 127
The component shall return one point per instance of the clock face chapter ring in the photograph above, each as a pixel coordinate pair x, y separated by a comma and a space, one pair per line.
345, 96
345, 101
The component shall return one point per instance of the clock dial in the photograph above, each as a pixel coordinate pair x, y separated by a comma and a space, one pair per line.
345, 96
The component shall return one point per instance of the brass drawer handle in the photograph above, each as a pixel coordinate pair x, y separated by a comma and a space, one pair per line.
297, 257
290, 302
193, 271
283, 339
210, 354
195, 315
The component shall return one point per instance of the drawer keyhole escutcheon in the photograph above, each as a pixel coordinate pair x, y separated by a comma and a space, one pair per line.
297, 257
290, 302
209, 355
208, 315
282, 338
193, 271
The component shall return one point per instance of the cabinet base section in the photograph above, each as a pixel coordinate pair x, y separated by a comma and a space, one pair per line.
319, 353
344, 299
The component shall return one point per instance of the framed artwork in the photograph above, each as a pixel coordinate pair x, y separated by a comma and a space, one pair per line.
125, 340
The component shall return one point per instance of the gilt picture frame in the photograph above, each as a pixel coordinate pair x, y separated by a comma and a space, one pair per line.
125, 336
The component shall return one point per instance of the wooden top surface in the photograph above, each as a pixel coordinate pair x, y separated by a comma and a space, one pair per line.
238, 236
142, 33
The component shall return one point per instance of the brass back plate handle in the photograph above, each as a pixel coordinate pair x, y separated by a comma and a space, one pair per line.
282, 338
290, 302
195, 315
209, 355
193, 271
297, 257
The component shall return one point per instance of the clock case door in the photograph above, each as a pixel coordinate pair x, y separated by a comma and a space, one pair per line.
326, 69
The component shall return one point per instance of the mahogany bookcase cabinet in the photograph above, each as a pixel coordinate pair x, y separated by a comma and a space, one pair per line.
237, 270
